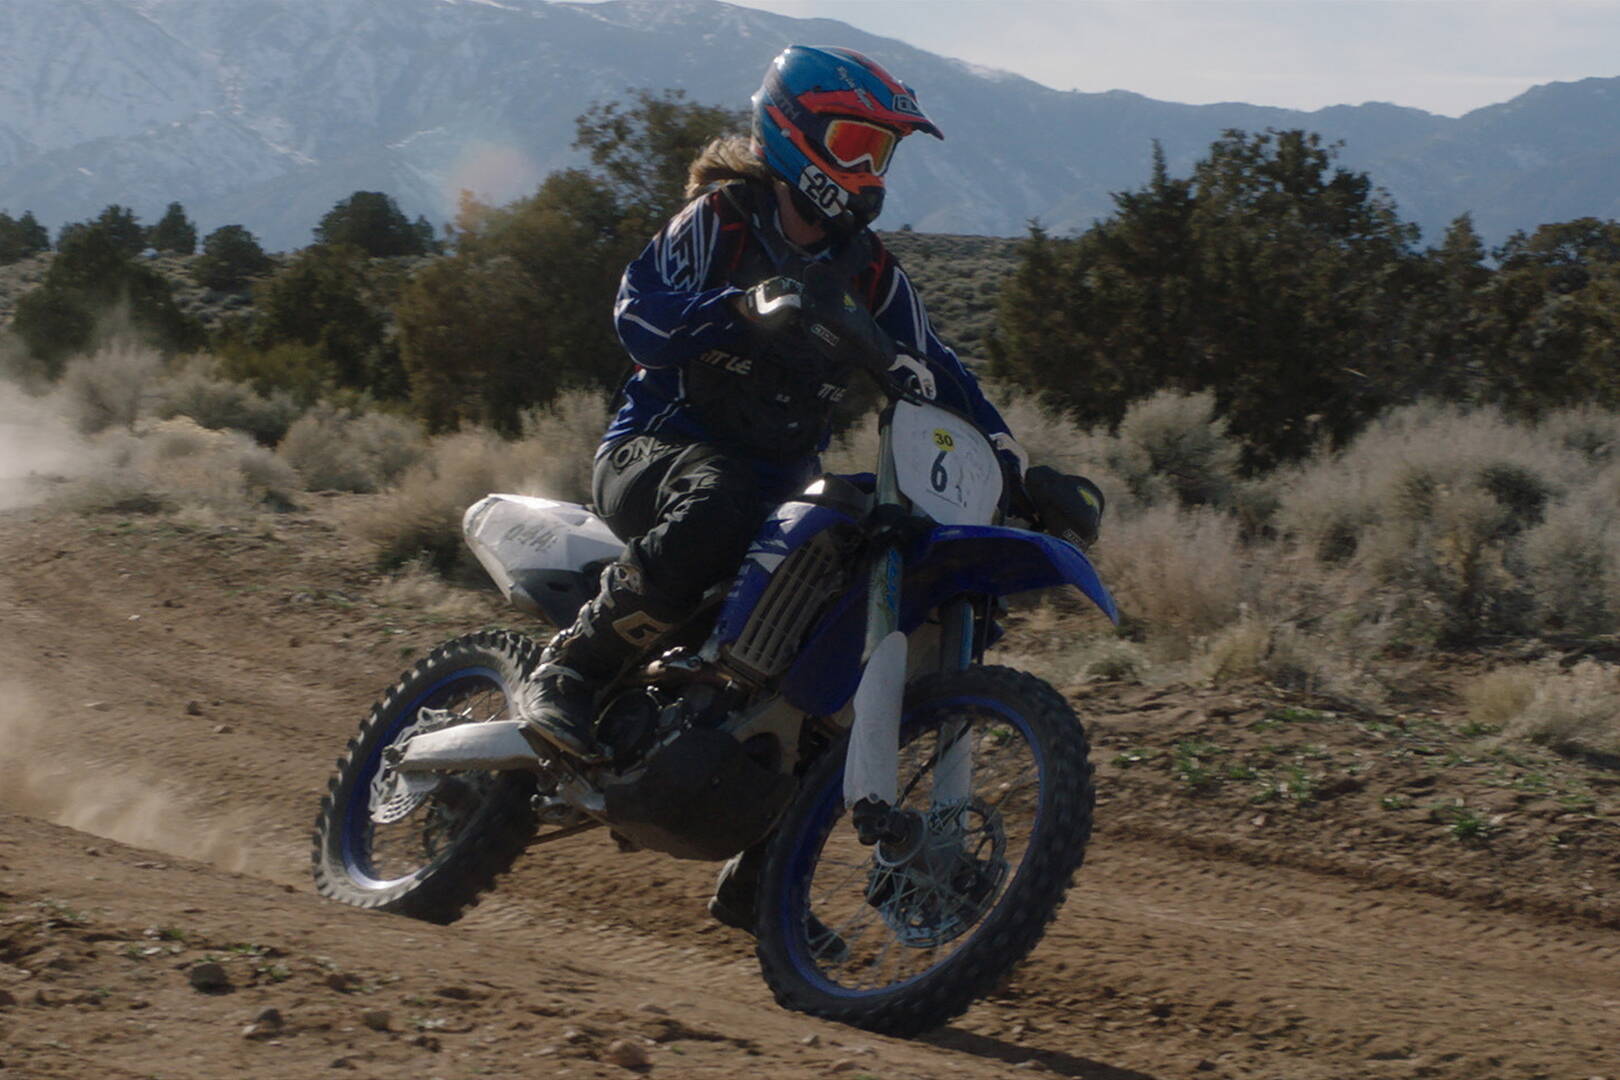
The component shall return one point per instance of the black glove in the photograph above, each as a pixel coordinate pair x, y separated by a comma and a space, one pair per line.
1070, 507
773, 304
840, 328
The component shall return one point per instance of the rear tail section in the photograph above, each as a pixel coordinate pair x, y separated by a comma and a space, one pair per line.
544, 555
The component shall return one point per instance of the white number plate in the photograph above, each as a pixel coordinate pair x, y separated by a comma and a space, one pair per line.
944, 465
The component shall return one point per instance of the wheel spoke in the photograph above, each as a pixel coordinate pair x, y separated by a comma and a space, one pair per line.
898, 921
407, 846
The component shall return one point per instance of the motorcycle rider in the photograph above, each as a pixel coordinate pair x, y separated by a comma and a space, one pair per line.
731, 403
728, 409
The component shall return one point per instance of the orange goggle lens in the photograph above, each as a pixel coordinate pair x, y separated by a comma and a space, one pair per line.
856, 144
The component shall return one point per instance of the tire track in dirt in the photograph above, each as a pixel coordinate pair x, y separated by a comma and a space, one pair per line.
1165, 959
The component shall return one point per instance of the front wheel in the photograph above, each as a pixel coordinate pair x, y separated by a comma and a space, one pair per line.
428, 855
901, 937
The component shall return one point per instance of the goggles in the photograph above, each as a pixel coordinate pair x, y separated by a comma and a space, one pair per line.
856, 144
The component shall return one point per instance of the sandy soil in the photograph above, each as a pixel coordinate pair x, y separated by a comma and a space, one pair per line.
1279, 887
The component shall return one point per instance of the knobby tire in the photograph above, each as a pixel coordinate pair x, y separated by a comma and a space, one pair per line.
491, 840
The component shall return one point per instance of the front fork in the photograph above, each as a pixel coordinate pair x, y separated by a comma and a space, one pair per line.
871, 771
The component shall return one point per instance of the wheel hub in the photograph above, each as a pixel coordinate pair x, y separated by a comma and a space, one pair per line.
941, 880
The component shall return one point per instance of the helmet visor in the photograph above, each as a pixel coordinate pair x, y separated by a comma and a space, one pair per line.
855, 144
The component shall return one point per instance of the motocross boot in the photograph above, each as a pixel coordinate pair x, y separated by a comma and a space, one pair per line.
621, 624
736, 904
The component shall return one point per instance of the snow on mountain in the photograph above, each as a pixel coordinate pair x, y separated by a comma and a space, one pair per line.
266, 112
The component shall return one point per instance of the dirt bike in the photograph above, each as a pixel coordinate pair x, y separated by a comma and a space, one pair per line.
924, 813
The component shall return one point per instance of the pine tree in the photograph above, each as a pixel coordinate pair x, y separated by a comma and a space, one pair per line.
122, 227
426, 236
372, 222
521, 309
1270, 276
21, 238
642, 148
1447, 344
1550, 318
319, 300
231, 256
174, 233
94, 283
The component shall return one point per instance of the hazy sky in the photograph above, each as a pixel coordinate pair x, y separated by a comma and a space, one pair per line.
1446, 56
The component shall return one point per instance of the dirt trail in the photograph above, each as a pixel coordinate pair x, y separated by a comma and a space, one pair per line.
185, 690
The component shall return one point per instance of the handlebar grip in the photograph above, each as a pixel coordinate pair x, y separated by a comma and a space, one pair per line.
841, 326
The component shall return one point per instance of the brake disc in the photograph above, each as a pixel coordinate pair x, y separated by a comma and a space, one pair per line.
396, 795
941, 889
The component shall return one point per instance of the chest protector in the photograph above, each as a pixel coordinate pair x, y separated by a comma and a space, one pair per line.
775, 399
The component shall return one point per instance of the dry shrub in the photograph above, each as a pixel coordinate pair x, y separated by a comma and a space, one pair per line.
1178, 575
558, 447
1045, 432
1453, 569
1278, 651
1079, 660
1434, 504
336, 450
1063, 640
1573, 559
197, 391
1575, 712
418, 589
1236, 652
1500, 697
1114, 659
1590, 432
175, 464
1172, 446
1397, 470
421, 518
112, 387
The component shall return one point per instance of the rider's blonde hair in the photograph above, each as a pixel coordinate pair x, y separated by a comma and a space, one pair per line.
730, 157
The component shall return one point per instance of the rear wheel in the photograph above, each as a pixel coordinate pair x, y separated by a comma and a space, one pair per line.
901, 937
432, 855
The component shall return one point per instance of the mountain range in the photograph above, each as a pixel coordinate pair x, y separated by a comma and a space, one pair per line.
267, 112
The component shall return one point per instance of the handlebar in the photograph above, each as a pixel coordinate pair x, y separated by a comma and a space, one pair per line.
841, 327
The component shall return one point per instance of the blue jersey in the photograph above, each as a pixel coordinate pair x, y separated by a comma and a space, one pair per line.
675, 315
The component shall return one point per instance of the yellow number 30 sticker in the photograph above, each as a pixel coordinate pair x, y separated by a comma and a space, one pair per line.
943, 440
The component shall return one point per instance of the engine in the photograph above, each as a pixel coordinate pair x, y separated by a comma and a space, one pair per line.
678, 781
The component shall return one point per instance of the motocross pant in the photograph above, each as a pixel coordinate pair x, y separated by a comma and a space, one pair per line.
687, 511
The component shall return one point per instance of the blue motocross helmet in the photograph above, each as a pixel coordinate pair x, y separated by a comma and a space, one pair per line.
826, 121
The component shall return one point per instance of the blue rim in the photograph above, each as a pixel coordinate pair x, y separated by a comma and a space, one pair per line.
357, 811
830, 806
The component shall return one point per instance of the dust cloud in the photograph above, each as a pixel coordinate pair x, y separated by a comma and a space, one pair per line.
38, 447
66, 786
